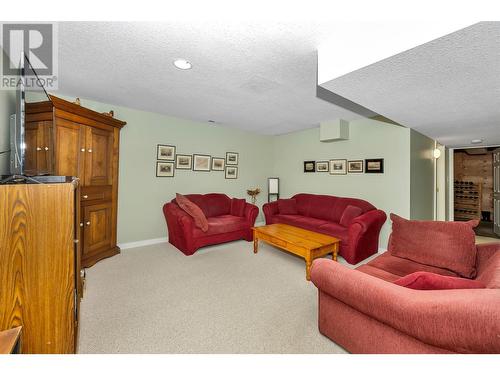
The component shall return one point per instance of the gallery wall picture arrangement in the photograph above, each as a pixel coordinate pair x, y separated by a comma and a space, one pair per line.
183, 161
165, 169
232, 158
322, 166
165, 152
218, 164
355, 166
338, 166
374, 165
201, 163
309, 166
231, 173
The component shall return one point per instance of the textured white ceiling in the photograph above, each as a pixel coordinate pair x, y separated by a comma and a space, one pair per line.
447, 89
258, 77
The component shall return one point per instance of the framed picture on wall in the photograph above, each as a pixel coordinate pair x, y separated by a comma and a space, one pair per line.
201, 163
338, 166
165, 152
355, 166
183, 161
322, 166
309, 166
231, 173
374, 165
218, 164
232, 158
164, 169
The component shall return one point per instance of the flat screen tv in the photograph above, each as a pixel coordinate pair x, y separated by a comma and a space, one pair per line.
29, 90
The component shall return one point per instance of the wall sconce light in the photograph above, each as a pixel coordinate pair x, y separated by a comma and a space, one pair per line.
273, 188
436, 153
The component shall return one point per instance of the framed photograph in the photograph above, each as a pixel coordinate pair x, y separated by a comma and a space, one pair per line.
355, 166
232, 158
309, 166
165, 152
164, 169
338, 166
374, 165
231, 173
322, 166
201, 163
218, 164
183, 161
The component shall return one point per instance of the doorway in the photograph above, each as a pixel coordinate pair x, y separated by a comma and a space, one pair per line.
477, 188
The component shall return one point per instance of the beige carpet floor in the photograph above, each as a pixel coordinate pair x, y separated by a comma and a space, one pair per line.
223, 299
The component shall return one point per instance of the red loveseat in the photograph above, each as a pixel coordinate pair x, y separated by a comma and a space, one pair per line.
323, 213
222, 226
364, 311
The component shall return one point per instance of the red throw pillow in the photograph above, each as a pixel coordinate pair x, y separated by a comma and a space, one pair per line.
443, 244
287, 206
193, 210
349, 214
431, 281
238, 207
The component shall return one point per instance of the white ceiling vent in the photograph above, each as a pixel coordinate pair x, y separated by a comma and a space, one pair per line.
335, 130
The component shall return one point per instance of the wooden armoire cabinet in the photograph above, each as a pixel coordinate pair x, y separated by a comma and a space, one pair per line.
67, 139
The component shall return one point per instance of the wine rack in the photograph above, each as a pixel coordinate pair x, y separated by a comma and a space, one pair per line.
468, 198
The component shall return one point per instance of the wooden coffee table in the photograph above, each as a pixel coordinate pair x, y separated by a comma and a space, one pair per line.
304, 243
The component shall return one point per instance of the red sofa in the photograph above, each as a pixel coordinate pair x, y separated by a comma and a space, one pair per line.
322, 213
222, 226
365, 312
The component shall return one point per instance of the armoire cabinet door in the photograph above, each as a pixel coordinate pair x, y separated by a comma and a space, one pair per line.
97, 228
32, 149
98, 158
70, 145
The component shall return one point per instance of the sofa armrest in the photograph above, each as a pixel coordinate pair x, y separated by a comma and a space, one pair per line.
270, 209
371, 220
178, 218
251, 213
458, 320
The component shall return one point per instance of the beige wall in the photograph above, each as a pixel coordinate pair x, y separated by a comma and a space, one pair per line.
7, 107
389, 191
422, 185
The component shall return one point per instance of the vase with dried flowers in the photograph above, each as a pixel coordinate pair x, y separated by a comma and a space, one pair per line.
253, 194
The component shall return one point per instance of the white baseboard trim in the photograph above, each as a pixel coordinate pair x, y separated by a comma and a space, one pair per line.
152, 241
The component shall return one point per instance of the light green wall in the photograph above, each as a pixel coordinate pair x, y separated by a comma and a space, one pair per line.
389, 191
7, 107
422, 177
141, 194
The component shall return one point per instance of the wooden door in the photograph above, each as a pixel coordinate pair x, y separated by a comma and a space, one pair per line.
99, 157
97, 229
69, 148
32, 148
45, 147
37, 269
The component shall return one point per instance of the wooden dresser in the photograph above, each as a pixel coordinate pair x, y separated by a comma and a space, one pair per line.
39, 258
66, 139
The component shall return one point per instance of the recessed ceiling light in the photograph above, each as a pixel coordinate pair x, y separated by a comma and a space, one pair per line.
476, 141
182, 64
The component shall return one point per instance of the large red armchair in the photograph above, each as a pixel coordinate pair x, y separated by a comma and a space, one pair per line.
222, 225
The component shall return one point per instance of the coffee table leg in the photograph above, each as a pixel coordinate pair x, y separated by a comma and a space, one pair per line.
308, 269
335, 251
255, 245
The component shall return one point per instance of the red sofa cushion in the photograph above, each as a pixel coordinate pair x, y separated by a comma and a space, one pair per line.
193, 210
238, 207
300, 221
441, 244
222, 224
350, 213
432, 281
287, 206
335, 230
